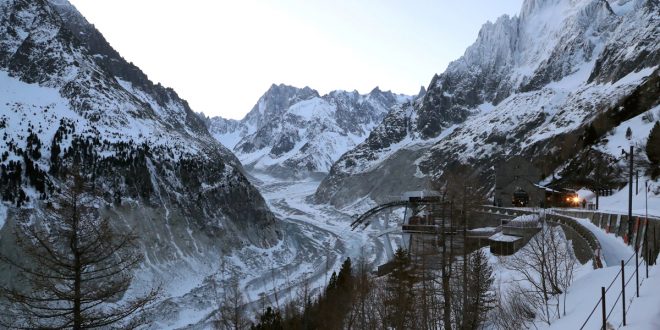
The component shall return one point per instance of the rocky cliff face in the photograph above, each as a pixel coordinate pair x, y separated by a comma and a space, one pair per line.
528, 85
293, 132
68, 102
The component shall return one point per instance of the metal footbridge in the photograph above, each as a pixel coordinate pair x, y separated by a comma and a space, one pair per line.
363, 219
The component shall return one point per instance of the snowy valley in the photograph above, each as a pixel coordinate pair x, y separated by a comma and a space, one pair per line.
261, 209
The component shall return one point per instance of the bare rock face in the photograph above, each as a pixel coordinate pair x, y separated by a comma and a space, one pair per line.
527, 86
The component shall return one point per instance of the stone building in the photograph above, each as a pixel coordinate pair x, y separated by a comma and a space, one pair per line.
516, 184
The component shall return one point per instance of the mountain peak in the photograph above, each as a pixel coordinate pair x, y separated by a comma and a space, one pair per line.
530, 7
422, 92
281, 88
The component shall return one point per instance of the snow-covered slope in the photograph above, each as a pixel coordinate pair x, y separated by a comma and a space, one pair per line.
69, 101
527, 86
294, 132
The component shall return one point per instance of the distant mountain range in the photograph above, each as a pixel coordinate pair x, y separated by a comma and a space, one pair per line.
295, 132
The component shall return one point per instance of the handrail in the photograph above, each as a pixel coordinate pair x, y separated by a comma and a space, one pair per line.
640, 215
620, 292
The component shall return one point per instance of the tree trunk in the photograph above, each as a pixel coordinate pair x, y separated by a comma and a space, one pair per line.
77, 268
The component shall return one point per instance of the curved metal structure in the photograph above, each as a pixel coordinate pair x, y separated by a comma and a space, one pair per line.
362, 219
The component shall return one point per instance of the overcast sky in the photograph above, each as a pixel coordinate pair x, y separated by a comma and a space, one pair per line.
222, 56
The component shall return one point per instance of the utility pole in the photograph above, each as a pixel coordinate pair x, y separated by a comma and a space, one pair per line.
630, 217
630, 189
598, 182
646, 226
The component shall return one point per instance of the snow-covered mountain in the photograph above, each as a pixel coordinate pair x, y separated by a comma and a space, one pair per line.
529, 85
69, 101
294, 132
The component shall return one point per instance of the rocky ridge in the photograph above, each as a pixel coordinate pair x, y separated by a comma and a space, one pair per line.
528, 85
295, 132
69, 102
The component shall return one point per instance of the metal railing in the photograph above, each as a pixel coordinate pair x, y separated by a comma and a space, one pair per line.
621, 296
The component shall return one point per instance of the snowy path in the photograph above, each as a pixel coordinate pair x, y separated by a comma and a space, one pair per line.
613, 248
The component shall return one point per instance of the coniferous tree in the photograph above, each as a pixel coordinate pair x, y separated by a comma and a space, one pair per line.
653, 150
334, 305
332, 284
345, 277
271, 319
480, 297
590, 135
399, 298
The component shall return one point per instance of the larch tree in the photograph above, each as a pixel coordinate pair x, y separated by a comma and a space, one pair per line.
74, 268
232, 311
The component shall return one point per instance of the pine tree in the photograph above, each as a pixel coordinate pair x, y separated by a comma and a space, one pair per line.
399, 298
481, 298
271, 319
653, 150
334, 305
628, 134
345, 278
332, 284
590, 135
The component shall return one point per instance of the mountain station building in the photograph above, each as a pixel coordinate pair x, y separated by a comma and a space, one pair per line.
516, 184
